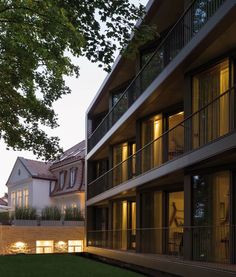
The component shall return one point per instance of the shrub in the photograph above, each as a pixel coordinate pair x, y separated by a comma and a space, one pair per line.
73, 214
51, 213
24, 213
4, 217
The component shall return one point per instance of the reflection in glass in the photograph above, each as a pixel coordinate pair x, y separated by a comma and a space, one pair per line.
176, 136
175, 222
212, 121
120, 154
151, 233
211, 217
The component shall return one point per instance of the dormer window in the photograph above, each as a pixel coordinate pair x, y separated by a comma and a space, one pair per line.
62, 177
73, 171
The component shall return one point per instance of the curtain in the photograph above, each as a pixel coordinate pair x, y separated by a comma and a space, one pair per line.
212, 121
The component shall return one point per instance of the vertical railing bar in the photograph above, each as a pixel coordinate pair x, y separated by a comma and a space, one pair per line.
171, 39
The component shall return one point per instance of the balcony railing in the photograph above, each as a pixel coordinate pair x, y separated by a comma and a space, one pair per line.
207, 243
189, 24
203, 126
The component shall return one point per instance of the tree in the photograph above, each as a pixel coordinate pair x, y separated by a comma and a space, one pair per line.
35, 39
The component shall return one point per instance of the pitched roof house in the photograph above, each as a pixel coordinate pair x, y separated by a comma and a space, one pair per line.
39, 184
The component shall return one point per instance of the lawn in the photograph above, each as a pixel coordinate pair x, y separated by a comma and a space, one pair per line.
57, 266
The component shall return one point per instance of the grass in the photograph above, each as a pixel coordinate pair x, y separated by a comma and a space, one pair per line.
58, 266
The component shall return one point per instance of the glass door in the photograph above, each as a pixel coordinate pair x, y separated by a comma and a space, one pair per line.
124, 224
151, 132
176, 136
213, 121
175, 223
211, 217
132, 225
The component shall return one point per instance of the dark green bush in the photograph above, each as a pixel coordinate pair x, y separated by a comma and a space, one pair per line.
51, 213
24, 213
4, 217
73, 214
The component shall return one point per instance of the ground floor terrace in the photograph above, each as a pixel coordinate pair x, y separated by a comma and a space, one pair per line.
184, 220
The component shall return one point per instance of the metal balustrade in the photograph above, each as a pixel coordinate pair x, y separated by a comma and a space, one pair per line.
189, 24
203, 126
207, 243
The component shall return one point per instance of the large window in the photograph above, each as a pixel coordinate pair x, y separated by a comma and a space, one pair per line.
26, 198
212, 121
75, 246
44, 246
13, 198
211, 216
176, 136
62, 177
151, 233
175, 222
152, 154
73, 172
100, 167
122, 106
125, 169
124, 225
19, 198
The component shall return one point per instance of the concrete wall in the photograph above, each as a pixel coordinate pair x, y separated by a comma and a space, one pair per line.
22, 239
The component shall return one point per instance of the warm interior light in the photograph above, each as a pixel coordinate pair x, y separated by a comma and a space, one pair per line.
75, 242
20, 245
124, 224
75, 246
44, 246
44, 243
61, 243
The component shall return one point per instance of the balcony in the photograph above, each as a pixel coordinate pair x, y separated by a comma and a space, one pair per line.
203, 247
169, 241
206, 125
190, 23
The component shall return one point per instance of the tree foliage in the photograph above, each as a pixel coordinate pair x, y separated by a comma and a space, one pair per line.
35, 39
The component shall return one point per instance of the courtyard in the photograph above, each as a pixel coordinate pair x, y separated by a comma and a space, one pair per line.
58, 266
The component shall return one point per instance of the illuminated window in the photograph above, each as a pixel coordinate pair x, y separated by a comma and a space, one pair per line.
73, 206
13, 199
26, 197
19, 198
151, 133
122, 171
75, 246
63, 209
44, 246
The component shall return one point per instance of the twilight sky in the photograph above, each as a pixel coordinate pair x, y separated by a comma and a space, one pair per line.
71, 113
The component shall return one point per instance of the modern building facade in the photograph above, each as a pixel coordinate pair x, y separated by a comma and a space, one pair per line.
161, 146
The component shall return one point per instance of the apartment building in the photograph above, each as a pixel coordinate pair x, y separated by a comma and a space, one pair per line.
161, 146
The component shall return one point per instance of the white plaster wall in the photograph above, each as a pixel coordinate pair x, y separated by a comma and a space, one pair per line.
15, 177
40, 194
68, 200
